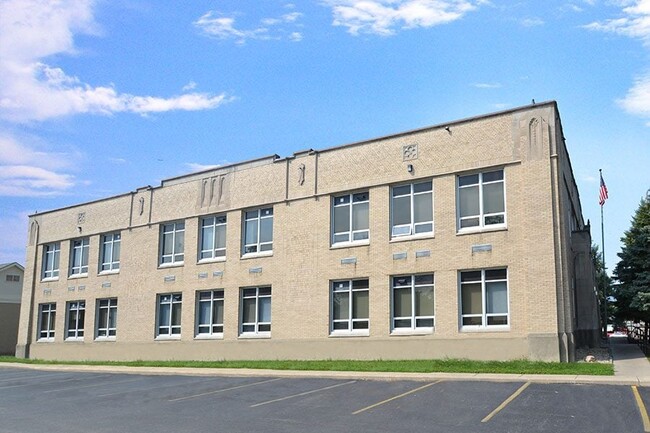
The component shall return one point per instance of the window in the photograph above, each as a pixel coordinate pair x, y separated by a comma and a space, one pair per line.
51, 254
209, 313
169, 315
256, 310
110, 260
47, 320
258, 230
75, 324
79, 256
213, 237
13, 278
350, 218
412, 209
350, 306
413, 302
484, 298
172, 243
481, 200
106, 318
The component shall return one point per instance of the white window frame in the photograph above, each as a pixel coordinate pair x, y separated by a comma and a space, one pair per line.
110, 260
173, 329
414, 328
351, 202
216, 253
177, 230
484, 315
406, 230
348, 287
260, 328
213, 329
51, 260
104, 330
482, 216
47, 327
75, 325
257, 247
79, 250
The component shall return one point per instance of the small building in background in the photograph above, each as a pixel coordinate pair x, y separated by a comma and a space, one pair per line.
11, 286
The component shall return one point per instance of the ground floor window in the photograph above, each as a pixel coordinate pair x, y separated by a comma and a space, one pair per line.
46, 321
75, 324
350, 308
209, 313
106, 318
256, 311
484, 298
413, 302
169, 315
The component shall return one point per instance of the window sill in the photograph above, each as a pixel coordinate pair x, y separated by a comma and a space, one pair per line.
217, 260
499, 228
252, 336
347, 334
112, 272
480, 329
208, 337
170, 265
340, 245
104, 339
49, 279
407, 332
45, 340
74, 340
168, 338
75, 276
412, 237
256, 255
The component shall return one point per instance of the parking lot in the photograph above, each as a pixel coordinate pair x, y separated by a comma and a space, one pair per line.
62, 401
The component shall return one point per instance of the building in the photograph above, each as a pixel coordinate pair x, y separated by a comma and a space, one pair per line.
462, 240
11, 286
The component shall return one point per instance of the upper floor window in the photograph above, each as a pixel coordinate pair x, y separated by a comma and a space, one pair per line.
481, 200
13, 278
110, 253
484, 298
413, 302
350, 307
412, 209
213, 237
46, 321
79, 256
350, 218
51, 255
258, 230
172, 243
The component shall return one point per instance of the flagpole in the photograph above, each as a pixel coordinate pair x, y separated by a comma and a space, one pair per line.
602, 243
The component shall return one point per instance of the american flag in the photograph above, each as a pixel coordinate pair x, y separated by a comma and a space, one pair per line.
603, 191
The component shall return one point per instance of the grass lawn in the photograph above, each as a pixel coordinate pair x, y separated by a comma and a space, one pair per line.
407, 366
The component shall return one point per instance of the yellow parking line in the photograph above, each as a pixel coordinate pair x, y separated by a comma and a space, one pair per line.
395, 398
224, 390
303, 393
642, 409
506, 402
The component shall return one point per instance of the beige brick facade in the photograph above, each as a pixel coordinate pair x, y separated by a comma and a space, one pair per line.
537, 245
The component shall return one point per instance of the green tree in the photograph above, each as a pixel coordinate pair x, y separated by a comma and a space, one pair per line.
633, 269
603, 285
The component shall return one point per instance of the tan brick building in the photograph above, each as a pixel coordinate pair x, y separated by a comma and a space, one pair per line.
461, 240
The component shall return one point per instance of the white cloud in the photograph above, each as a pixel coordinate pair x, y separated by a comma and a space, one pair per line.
195, 166
189, 86
634, 22
295, 36
217, 25
34, 30
383, 16
637, 99
532, 22
487, 85
29, 172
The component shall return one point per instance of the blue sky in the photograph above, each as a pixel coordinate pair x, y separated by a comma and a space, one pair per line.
98, 98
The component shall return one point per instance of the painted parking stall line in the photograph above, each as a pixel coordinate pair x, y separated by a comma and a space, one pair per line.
203, 394
506, 402
395, 398
303, 393
642, 409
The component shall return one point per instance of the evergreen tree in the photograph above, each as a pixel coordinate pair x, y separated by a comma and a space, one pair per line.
603, 285
633, 269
